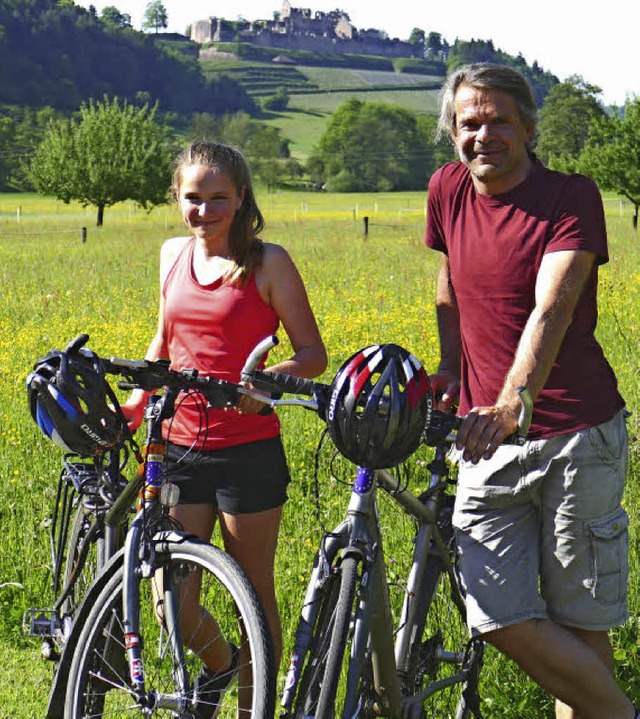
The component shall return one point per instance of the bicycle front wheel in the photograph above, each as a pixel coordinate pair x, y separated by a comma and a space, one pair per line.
443, 660
178, 633
323, 681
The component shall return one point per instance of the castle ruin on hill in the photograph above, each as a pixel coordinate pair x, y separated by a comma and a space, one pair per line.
301, 29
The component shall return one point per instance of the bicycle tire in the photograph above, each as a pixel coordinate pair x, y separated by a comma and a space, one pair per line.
331, 612
81, 525
99, 682
342, 618
443, 649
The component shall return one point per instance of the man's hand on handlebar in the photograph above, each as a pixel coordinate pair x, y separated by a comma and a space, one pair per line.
445, 386
484, 429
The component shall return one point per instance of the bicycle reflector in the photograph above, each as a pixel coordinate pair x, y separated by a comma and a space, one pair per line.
69, 400
380, 403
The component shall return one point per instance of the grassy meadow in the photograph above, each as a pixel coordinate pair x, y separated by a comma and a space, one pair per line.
363, 290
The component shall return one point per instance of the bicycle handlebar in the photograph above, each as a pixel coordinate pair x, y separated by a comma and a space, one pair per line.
442, 426
149, 375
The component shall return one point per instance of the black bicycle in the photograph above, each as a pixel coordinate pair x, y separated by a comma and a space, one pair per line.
166, 607
81, 540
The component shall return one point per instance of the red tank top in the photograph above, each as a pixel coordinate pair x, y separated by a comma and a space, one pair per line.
213, 328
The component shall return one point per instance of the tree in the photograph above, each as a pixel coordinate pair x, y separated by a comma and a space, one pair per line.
155, 16
266, 152
568, 110
611, 154
435, 47
277, 102
372, 147
417, 36
112, 16
111, 153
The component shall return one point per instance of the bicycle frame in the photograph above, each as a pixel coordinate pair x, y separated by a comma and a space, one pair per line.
359, 535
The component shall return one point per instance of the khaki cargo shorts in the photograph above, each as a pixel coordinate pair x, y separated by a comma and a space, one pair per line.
542, 532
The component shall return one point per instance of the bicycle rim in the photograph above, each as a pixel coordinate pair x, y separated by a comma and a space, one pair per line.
445, 653
99, 679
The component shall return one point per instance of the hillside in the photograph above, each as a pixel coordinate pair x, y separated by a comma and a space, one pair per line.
316, 91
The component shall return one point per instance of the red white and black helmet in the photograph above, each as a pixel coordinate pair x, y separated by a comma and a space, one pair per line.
380, 402
69, 400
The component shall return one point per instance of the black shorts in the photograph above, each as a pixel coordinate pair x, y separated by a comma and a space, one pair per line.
242, 479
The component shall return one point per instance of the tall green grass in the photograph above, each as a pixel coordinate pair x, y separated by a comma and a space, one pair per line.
363, 290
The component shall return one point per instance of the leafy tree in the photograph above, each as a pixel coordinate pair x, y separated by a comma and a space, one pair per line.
60, 55
21, 129
371, 147
436, 48
277, 102
111, 153
261, 144
611, 154
565, 117
463, 52
155, 16
417, 36
203, 125
112, 16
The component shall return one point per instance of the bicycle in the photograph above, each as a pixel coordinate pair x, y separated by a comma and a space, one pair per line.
81, 542
349, 659
146, 624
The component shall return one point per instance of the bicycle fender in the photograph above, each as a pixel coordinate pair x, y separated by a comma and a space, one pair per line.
57, 693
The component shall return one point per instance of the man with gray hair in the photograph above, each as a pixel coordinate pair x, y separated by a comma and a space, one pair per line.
542, 534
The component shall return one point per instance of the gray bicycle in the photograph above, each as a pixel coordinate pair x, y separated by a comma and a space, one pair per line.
350, 657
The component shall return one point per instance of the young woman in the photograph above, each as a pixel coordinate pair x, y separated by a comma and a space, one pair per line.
222, 291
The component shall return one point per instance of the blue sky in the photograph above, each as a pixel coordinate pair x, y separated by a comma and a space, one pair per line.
566, 37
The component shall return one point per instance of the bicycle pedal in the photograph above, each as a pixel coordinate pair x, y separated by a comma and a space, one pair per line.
41, 623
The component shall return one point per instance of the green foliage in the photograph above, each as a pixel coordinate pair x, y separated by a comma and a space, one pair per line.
61, 55
249, 51
277, 102
262, 145
111, 154
112, 16
417, 36
611, 153
372, 147
419, 66
464, 52
437, 48
568, 111
155, 16
21, 130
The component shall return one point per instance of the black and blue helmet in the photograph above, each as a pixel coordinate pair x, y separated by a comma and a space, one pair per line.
73, 404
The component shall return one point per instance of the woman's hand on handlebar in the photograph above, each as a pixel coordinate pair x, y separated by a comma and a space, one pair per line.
133, 408
250, 405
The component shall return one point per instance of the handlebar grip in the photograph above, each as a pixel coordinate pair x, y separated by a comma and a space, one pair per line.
279, 382
76, 343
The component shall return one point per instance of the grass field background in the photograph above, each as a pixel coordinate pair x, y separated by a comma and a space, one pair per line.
377, 289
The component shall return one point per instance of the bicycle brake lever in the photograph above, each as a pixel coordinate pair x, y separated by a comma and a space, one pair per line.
526, 412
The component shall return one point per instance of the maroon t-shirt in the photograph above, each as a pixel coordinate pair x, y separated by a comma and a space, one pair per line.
495, 244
